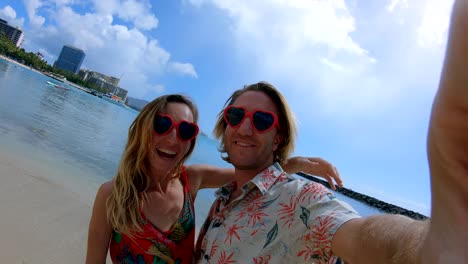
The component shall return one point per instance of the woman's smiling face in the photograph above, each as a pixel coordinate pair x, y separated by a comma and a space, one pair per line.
168, 150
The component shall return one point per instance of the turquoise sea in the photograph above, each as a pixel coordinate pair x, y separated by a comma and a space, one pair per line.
80, 134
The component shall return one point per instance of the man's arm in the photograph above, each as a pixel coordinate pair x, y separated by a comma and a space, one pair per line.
380, 239
207, 176
396, 239
448, 150
314, 166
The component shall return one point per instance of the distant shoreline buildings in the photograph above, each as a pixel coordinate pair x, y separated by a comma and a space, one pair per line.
70, 60
107, 83
15, 34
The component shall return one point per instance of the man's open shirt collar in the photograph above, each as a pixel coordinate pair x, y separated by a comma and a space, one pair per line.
263, 181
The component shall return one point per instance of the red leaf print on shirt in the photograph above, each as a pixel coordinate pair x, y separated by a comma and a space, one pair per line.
214, 248
268, 177
286, 212
283, 177
312, 190
254, 214
255, 231
252, 205
253, 197
320, 237
308, 253
226, 260
262, 260
232, 231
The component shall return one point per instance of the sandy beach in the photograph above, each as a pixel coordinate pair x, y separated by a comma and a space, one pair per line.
42, 220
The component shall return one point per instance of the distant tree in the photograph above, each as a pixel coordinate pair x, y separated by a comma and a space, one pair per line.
7, 47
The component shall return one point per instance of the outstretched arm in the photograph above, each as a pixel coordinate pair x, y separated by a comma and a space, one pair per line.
448, 150
397, 239
380, 239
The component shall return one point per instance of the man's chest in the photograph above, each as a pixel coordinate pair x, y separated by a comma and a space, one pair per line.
254, 228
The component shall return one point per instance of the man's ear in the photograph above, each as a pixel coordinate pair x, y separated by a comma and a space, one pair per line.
278, 139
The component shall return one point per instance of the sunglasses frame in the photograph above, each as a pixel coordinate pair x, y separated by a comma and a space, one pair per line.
176, 125
250, 115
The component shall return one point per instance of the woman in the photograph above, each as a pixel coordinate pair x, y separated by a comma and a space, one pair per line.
146, 214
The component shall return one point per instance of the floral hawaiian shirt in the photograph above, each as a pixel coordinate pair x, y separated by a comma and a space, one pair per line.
277, 219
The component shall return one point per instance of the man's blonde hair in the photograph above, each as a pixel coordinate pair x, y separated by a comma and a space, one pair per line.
287, 121
133, 175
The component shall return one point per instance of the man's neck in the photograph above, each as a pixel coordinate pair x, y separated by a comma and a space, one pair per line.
242, 176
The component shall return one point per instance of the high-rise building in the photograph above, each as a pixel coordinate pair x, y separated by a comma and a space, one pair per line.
13, 33
70, 59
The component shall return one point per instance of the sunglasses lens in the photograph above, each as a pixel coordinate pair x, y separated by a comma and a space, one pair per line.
263, 121
187, 130
162, 124
234, 116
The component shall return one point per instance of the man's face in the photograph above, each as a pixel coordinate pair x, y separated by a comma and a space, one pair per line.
248, 149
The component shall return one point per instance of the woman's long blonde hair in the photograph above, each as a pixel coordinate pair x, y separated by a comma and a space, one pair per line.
133, 175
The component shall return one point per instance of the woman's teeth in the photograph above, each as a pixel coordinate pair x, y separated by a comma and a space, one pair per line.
166, 153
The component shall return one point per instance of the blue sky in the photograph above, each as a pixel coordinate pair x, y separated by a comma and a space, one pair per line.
360, 75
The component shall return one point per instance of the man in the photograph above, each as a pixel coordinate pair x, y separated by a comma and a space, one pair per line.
265, 216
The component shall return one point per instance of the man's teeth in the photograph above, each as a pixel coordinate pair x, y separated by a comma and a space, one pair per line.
167, 151
242, 144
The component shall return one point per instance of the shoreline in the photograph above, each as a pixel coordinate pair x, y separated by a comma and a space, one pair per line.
19, 64
32, 69
65, 81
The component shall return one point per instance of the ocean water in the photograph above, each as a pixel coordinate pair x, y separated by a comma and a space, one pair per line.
80, 135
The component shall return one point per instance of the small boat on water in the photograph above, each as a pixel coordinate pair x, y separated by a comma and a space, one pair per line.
57, 85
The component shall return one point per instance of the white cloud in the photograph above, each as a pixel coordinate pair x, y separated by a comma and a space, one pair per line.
159, 88
184, 68
296, 24
9, 14
31, 7
137, 12
395, 3
435, 22
300, 45
106, 7
111, 48
65, 2
296, 43
332, 65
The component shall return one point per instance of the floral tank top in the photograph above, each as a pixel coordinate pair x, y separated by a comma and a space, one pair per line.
155, 246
